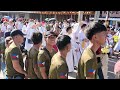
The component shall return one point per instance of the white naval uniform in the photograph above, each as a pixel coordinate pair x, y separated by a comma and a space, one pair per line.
19, 25
10, 27
43, 31
24, 29
81, 37
104, 60
110, 40
75, 37
28, 36
3, 29
117, 46
63, 32
70, 57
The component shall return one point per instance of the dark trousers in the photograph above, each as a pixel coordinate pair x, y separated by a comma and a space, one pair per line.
100, 72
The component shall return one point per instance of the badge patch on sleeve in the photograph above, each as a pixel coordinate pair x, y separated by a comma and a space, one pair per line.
63, 75
91, 71
41, 64
15, 56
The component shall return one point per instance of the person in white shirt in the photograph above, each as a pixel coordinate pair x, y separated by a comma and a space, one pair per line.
24, 28
10, 25
42, 30
82, 38
75, 37
24, 31
4, 28
55, 26
65, 25
110, 40
75, 33
30, 23
70, 55
117, 45
28, 42
19, 24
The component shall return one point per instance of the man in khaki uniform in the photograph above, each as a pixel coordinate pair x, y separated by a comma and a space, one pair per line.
88, 67
32, 67
59, 68
14, 59
45, 55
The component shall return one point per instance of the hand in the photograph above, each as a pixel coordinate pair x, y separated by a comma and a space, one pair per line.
26, 76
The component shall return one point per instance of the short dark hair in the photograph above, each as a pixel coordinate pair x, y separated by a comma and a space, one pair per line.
36, 38
16, 32
62, 41
94, 27
7, 34
68, 28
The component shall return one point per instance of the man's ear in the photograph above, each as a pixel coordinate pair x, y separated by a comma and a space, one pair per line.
67, 47
15, 36
94, 37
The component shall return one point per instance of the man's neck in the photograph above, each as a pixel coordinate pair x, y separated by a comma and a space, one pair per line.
63, 54
49, 48
36, 47
94, 46
17, 44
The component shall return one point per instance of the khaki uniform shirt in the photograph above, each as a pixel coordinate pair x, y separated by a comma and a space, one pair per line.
13, 53
58, 68
87, 66
44, 60
32, 63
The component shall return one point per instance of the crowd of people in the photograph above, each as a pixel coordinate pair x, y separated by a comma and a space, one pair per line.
53, 49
